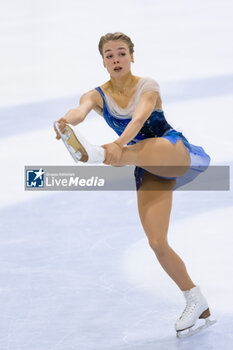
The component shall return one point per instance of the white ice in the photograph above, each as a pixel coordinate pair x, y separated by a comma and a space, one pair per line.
76, 271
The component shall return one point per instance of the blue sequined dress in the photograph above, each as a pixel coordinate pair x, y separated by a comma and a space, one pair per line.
157, 126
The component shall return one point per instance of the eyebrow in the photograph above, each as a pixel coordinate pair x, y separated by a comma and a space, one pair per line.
119, 48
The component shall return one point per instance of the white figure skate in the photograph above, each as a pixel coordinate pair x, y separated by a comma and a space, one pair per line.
79, 148
196, 308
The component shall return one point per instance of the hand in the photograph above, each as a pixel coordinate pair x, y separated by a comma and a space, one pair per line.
62, 124
113, 153
73, 117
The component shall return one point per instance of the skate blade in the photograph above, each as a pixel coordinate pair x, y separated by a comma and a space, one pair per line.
73, 145
191, 331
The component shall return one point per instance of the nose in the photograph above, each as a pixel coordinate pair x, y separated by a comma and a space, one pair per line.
116, 60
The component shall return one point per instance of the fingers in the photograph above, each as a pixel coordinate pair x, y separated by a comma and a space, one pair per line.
108, 158
110, 155
57, 135
62, 125
107, 162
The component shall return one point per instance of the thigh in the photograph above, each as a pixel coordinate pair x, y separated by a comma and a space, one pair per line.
164, 152
154, 205
174, 159
160, 157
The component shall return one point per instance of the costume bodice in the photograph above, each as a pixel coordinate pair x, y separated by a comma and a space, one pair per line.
118, 118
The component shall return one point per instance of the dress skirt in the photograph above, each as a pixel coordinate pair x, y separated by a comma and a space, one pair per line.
200, 161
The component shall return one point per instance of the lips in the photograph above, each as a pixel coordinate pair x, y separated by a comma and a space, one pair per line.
117, 69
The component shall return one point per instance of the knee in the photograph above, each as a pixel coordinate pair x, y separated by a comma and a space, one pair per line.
159, 246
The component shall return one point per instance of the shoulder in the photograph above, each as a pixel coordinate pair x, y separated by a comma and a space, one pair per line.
106, 88
93, 96
90, 95
149, 89
149, 84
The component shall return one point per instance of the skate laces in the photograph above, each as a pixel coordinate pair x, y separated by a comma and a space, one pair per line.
191, 303
188, 310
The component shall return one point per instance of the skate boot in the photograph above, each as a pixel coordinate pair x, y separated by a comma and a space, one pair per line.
79, 148
196, 308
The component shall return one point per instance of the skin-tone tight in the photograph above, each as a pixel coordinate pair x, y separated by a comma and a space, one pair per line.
155, 198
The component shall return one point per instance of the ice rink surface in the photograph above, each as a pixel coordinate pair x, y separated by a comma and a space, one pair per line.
76, 271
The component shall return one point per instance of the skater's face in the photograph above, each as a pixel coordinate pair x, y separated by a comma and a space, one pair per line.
117, 58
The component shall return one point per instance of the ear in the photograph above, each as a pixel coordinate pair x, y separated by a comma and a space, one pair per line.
132, 58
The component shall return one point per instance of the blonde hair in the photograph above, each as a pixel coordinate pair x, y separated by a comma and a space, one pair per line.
115, 36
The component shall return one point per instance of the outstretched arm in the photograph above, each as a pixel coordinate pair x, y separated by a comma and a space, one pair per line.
77, 115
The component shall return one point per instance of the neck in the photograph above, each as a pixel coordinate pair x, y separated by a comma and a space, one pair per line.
122, 84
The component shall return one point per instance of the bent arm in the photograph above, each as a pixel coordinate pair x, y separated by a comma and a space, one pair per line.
142, 112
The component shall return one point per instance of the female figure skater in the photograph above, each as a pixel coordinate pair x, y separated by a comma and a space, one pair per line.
163, 157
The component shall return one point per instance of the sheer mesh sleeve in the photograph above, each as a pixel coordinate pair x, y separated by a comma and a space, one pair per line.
144, 85
149, 84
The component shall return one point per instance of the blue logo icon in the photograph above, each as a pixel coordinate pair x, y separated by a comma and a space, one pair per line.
35, 178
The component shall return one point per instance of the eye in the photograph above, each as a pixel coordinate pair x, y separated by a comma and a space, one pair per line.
109, 56
122, 53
